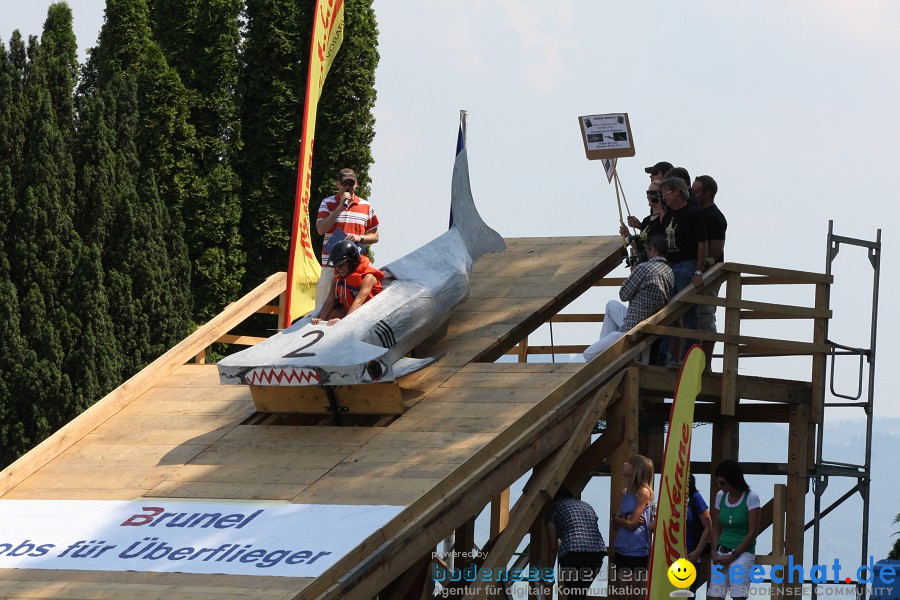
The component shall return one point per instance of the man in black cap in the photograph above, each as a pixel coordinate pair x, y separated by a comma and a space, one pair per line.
658, 171
353, 215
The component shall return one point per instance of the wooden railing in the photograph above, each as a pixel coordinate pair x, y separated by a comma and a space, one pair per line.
259, 302
737, 309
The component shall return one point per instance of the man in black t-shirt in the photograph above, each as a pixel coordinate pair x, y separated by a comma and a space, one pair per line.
705, 188
686, 235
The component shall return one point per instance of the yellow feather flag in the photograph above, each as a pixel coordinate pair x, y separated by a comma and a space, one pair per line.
669, 537
303, 268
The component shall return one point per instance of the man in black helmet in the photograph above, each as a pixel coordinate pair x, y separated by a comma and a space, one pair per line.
355, 282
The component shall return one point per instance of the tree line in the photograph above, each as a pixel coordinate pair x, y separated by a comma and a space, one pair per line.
144, 190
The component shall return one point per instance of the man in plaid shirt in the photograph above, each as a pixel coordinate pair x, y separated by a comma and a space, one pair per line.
572, 529
646, 290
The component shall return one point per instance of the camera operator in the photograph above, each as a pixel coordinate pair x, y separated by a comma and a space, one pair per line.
650, 226
646, 290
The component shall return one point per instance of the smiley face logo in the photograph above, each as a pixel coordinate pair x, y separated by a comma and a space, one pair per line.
682, 573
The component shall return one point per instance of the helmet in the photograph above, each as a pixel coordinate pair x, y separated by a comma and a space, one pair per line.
344, 251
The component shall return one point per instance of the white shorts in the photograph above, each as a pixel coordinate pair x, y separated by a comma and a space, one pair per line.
737, 588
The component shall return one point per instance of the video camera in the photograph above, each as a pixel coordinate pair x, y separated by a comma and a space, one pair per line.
636, 251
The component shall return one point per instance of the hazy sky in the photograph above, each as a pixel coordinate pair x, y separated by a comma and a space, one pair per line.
792, 107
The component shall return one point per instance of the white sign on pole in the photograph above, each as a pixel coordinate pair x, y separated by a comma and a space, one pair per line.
609, 165
606, 136
290, 540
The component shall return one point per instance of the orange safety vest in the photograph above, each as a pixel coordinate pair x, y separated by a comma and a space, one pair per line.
346, 288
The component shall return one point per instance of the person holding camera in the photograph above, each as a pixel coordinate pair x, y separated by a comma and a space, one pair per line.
352, 215
646, 290
652, 223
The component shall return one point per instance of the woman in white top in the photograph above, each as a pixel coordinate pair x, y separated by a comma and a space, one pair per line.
735, 520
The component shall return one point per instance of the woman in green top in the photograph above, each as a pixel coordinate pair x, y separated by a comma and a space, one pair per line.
735, 525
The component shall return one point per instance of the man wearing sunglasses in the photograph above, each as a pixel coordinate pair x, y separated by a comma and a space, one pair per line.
353, 215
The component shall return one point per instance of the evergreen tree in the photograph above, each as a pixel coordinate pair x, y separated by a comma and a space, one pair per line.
17, 359
108, 166
136, 172
45, 245
272, 87
200, 39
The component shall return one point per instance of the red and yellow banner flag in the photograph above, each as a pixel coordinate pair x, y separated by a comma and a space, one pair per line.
303, 268
669, 539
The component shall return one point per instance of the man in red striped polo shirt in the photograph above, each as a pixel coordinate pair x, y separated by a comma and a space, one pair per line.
349, 213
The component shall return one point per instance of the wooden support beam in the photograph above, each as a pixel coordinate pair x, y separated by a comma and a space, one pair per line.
499, 513
651, 444
610, 282
784, 310
577, 318
791, 275
820, 334
624, 411
465, 543
660, 380
241, 340
523, 350
730, 356
797, 482
413, 583
562, 349
539, 557
725, 445
759, 342
544, 482
597, 453
282, 309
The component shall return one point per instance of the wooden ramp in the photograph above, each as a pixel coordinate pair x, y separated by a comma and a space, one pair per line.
473, 427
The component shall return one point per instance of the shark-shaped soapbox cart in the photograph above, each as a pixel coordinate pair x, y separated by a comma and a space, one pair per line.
420, 292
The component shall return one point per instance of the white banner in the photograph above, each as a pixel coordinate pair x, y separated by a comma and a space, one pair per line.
290, 540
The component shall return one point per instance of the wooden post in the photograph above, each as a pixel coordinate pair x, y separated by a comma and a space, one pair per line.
797, 483
725, 443
820, 329
730, 355
779, 496
282, 310
523, 350
539, 558
626, 412
200, 358
499, 513
465, 543
652, 443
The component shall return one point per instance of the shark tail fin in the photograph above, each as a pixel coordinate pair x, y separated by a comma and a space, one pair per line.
477, 236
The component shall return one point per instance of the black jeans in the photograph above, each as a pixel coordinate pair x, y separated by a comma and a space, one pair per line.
577, 571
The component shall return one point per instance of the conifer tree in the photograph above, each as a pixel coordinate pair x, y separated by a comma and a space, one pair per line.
137, 175
272, 88
200, 39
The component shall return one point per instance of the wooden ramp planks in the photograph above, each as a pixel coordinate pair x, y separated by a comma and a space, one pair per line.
182, 437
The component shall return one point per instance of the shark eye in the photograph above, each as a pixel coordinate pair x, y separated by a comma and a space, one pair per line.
375, 370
